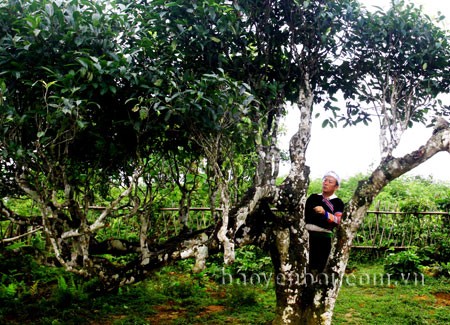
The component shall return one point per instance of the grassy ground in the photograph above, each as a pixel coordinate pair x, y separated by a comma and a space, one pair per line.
177, 297
368, 296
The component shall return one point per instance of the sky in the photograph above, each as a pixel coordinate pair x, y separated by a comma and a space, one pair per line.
353, 150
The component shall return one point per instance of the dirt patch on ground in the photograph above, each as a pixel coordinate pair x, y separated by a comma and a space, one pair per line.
424, 298
211, 309
442, 298
167, 314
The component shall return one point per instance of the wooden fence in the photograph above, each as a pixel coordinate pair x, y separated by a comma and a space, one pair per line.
198, 218
383, 229
380, 229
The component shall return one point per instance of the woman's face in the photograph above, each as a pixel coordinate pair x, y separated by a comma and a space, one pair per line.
329, 185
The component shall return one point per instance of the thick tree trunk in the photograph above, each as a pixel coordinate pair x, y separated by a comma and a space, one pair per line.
303, 296
289, 247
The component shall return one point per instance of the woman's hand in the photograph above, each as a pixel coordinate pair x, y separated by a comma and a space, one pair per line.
318, 209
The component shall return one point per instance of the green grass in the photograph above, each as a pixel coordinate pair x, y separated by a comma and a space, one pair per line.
368, 296
175, 296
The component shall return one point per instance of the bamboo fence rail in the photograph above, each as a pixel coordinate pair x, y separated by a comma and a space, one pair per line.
380, 229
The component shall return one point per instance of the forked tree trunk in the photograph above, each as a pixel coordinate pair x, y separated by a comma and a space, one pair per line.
303, 296
307, 298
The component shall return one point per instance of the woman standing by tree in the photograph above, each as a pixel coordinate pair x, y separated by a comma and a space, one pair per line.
322, 214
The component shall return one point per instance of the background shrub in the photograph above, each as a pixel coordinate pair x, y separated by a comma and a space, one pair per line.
400, 265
